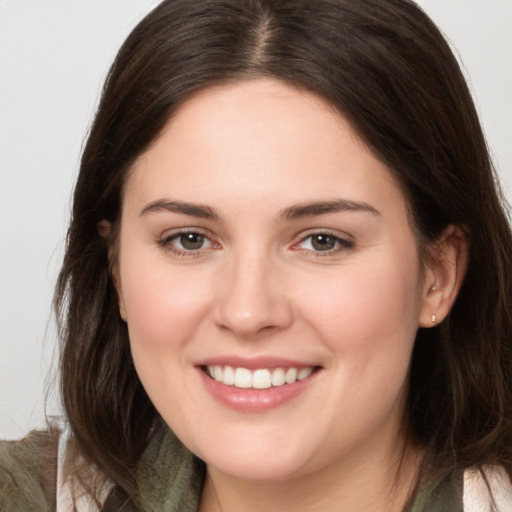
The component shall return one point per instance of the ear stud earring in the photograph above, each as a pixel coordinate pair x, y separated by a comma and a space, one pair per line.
433, 319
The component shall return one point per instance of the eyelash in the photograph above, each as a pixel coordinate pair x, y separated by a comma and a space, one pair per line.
167, 243
341, 244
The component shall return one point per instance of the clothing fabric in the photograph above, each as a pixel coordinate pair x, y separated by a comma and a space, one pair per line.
33, 478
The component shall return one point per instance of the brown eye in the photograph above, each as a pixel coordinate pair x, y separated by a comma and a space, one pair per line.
326, 243
323, 242
187, 243
191, 241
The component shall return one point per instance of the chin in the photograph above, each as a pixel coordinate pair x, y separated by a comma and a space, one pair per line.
257, 470
264, 463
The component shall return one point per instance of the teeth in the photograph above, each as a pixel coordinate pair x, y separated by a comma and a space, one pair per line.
262, 378
228, 376
278, 377
291, 375
304, 373
243, 378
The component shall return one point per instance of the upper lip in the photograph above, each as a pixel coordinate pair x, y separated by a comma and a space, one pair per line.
254, 363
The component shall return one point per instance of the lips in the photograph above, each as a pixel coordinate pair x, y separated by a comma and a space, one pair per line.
256, 385
261, 378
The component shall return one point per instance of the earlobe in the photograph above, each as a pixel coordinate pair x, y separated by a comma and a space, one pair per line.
444, 275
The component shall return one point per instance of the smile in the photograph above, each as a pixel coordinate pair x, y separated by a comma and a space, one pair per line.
262, 378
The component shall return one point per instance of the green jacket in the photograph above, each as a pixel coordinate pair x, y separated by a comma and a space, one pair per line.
170, 480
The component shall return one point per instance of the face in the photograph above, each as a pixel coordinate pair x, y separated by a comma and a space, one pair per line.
271, 283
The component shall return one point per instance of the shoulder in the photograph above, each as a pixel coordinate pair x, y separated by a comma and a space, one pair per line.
38, 474
477, 485
28, 472
89, 490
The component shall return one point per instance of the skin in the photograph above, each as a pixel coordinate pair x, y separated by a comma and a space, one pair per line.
259, 287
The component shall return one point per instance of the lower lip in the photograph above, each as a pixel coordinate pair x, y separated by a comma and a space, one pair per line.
255, 400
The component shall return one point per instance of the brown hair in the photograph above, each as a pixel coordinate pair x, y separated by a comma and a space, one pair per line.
386, 67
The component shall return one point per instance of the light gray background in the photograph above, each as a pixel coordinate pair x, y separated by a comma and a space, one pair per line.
54, 55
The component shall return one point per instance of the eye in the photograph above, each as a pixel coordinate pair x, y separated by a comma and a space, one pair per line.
324, 242
190, 241
186, 243
321, 242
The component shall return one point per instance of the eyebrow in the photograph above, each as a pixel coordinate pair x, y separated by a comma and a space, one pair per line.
325, 207
191, 209
295, 212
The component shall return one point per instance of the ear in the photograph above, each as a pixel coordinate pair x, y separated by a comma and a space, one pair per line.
444, 274
105, 230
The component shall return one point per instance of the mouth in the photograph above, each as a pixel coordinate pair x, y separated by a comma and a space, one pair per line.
256, 385
260, 378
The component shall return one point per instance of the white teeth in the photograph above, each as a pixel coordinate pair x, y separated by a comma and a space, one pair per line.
304, 373
262, 378
278, 377
243, 378
229, 376
291, 375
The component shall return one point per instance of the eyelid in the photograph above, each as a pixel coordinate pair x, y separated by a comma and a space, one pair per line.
344, 241
164, 240
169, 233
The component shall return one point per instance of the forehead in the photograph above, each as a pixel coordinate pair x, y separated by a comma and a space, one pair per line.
261, 140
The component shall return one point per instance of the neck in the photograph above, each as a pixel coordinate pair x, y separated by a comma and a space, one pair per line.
365, 484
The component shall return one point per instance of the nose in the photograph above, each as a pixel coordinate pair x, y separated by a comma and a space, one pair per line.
252, 298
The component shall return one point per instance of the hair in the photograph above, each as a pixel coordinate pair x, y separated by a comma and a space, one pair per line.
386, 68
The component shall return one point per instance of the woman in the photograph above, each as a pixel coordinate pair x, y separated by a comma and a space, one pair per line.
287, 279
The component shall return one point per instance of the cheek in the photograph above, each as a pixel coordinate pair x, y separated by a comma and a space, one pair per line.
369, 311
164, 312
367, 319
163, 307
